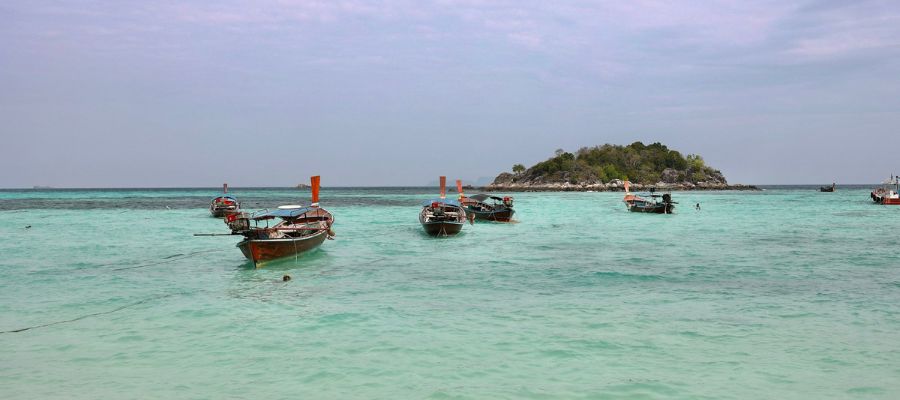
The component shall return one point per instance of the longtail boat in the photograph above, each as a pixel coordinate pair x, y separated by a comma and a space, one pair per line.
888, 193
486, 207
652, 203
224, 205
442, 217
298, 229
827, 189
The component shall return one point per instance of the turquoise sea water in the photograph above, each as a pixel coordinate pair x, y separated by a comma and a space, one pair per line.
784, 293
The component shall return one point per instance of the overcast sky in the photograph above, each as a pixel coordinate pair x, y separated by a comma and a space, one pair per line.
266, 93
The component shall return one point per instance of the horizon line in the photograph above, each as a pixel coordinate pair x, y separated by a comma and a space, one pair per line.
344, 187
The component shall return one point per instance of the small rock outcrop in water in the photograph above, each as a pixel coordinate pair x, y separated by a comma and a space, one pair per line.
605, 168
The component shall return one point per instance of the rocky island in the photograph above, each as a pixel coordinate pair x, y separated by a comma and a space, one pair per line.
606, 167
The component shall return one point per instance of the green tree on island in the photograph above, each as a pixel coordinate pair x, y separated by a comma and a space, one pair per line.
642, 163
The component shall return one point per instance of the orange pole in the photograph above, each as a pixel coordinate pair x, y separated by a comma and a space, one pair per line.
314, 181
443, 187
459, 188
225, 188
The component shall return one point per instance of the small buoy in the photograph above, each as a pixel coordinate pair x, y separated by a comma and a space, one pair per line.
285, 278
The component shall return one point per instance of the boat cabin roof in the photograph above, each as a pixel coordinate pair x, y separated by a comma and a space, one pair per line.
282, 213
225, 198
483, 197
446, 202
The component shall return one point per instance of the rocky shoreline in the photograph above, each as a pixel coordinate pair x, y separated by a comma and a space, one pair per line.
613, 186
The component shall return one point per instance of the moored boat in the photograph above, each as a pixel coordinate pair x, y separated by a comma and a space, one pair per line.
651, 203
486, 207
888, 193
224, 205
442, 217
299, 228
827, 189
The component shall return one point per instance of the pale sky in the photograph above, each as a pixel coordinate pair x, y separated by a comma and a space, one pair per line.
370, 93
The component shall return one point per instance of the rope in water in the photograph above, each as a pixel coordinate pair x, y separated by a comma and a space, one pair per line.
169, 259
92, 314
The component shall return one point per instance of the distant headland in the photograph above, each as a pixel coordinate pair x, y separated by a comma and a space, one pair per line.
606, 167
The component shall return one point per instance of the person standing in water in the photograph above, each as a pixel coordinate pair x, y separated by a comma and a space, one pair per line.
698, 206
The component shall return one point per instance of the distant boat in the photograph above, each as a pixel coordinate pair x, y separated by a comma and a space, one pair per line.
887, 194
224, 205
442, 217
652, 203
827, 189
486, 207
42, 187
299, 229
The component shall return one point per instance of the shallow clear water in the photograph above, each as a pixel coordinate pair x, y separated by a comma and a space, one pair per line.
784, 293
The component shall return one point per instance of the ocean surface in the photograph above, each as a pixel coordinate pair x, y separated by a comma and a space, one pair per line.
784, 293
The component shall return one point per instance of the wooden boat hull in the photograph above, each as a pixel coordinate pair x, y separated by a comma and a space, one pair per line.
222, 213
442, 228
660, 208
445, 220
263, 250
504, 215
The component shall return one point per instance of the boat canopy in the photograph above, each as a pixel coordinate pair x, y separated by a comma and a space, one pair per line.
483, 197
449, 202
282, 213
225, 198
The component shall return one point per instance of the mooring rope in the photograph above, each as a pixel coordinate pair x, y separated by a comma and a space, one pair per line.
169, 259
163, 258
92, 314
